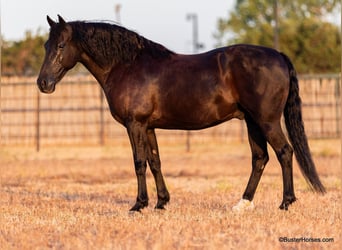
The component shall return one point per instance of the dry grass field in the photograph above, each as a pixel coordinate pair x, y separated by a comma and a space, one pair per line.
79, 197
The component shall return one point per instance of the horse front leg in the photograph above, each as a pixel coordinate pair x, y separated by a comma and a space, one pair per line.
138, 137
154, 162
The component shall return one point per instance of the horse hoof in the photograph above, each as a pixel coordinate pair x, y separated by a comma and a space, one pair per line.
137, 207
243, 205
285, 204
159, 207
134, 213
161, 204
134, 210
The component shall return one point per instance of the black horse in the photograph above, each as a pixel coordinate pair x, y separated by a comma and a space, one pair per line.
148, 86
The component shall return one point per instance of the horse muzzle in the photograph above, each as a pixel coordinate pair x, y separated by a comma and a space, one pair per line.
46, 86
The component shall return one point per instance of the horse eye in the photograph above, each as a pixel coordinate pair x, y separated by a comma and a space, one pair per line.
61, 45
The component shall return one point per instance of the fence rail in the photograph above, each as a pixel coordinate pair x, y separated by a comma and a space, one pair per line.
77, 113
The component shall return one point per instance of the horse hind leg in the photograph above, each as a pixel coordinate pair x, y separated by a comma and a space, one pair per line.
258, 146
154, 162
284, 152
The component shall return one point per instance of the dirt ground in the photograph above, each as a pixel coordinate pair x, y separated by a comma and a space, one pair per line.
70, 197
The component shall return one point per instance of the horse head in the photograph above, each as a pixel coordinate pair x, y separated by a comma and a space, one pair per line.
61, 54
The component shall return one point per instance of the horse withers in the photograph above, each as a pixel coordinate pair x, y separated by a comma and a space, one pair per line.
148, 86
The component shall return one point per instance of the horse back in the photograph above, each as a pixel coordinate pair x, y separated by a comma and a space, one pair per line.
194, 91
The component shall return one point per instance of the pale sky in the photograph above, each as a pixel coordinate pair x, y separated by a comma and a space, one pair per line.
158, 20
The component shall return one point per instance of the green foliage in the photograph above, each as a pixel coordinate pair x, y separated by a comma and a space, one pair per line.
23, 57
313, 44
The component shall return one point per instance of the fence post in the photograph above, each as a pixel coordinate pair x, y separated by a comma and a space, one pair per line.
338, 103
188, 142
38, 123
242, 132
101, 139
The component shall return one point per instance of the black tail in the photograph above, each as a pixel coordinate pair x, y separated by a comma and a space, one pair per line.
295, 128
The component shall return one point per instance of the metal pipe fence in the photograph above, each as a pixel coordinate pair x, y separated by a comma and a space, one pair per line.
77, 113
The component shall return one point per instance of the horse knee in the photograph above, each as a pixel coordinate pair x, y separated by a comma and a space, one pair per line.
155, 164
140, 167
259, 161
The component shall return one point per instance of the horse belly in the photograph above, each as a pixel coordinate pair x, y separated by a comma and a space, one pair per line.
186, 115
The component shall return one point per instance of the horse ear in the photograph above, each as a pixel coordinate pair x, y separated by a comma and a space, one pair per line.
50, 21
61, 20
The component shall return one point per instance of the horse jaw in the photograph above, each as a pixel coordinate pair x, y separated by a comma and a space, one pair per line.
243, 205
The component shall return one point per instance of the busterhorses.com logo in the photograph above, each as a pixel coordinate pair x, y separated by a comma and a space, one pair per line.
304, 239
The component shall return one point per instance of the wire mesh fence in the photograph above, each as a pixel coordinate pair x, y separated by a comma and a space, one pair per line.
77, 113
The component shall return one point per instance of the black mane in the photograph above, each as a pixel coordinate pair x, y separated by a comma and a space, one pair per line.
110, 43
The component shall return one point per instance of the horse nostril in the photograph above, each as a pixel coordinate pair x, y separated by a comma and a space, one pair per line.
43, 83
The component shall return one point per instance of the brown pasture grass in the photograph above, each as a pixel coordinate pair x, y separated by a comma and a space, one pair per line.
79, 197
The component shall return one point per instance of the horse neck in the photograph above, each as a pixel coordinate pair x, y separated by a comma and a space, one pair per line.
104, 46
99, 72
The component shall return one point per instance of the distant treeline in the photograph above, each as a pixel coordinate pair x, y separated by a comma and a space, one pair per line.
307, 31
312, 43
23, 57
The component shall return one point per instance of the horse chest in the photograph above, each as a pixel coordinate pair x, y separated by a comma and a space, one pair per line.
130, 103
